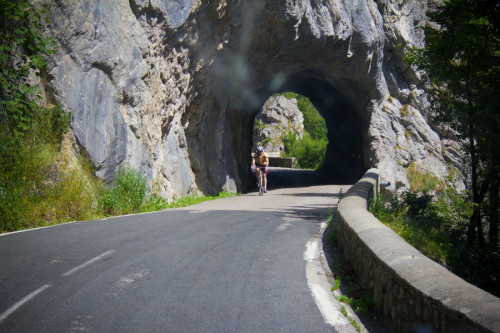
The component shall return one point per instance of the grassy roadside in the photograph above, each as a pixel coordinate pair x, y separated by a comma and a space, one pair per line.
46, 188
436, 225
434, 218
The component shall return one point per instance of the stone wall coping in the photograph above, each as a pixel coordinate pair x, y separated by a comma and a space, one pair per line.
419, 273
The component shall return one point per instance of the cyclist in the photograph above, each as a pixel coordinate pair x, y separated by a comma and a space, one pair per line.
261, 160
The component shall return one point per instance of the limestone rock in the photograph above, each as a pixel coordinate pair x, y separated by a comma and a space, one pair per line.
172, 88
277, 117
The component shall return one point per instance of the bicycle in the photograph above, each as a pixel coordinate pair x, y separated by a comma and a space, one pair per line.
260, 180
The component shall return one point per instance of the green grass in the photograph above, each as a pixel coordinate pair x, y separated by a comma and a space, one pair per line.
336, 285
350, 319
43, 185
396, 218
437, 225
423, 182
156, 203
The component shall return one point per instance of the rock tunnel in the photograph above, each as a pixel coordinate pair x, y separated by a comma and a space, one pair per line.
173, 90
344, 162
265, 57
344, 157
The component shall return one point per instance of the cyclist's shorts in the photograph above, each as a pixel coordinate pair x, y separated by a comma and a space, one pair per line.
262, 167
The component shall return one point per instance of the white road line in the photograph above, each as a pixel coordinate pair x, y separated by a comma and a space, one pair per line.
88, 263
26, 299
320, 285
16, 306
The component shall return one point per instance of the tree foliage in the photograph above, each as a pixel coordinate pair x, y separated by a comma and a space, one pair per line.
310, 152
311, 149
25, 127
461, 61
314, 123
23, 49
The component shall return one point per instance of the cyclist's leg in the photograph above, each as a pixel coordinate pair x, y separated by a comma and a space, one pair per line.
265, 180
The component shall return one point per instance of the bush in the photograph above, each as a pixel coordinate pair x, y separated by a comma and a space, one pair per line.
314, 123
39, 189
310, 152
437, 226
126, 195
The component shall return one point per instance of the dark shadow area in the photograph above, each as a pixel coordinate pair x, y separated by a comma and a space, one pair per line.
285, 178
344, 163
305, 213
319, 195
344, 157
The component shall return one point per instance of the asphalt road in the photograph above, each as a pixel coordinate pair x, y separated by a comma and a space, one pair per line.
241, 264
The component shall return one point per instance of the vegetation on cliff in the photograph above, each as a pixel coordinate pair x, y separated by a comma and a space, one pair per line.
461, 63
434, 219
41, 181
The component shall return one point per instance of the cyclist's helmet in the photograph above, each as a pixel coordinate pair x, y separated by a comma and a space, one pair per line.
260, 149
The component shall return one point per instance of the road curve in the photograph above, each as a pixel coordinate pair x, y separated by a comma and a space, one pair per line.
241, 264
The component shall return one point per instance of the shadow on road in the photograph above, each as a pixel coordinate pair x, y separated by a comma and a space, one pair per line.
286, 178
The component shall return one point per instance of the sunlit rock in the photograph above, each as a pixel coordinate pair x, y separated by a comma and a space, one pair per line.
278, 117
172, 88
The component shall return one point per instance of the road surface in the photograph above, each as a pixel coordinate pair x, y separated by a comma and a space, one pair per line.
241, 264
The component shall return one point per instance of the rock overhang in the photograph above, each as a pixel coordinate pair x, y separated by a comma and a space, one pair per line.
209, 67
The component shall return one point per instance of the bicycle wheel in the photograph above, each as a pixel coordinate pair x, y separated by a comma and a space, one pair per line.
261, 184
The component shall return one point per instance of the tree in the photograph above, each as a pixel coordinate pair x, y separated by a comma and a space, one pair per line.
461, 62
23, 49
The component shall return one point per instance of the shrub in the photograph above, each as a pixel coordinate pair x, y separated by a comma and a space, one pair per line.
310, 152
311, 149
437, 226
38, 189
126, 195
423, 182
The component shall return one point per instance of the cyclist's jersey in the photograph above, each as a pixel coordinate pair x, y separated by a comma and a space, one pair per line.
261, 159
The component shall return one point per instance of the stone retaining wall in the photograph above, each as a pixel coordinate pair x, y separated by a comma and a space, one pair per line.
283, 162
414, 293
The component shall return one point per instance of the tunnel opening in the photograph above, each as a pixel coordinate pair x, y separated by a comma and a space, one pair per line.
343, 162
292, 131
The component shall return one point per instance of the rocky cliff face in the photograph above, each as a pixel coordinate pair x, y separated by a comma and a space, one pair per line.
172, 87
276, 118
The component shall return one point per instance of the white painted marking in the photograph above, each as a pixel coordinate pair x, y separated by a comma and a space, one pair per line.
320, 285
312, 250
25, 300
323, 300
88, 263
128, 280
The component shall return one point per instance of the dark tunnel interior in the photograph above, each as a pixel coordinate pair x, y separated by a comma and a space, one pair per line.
344, 157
